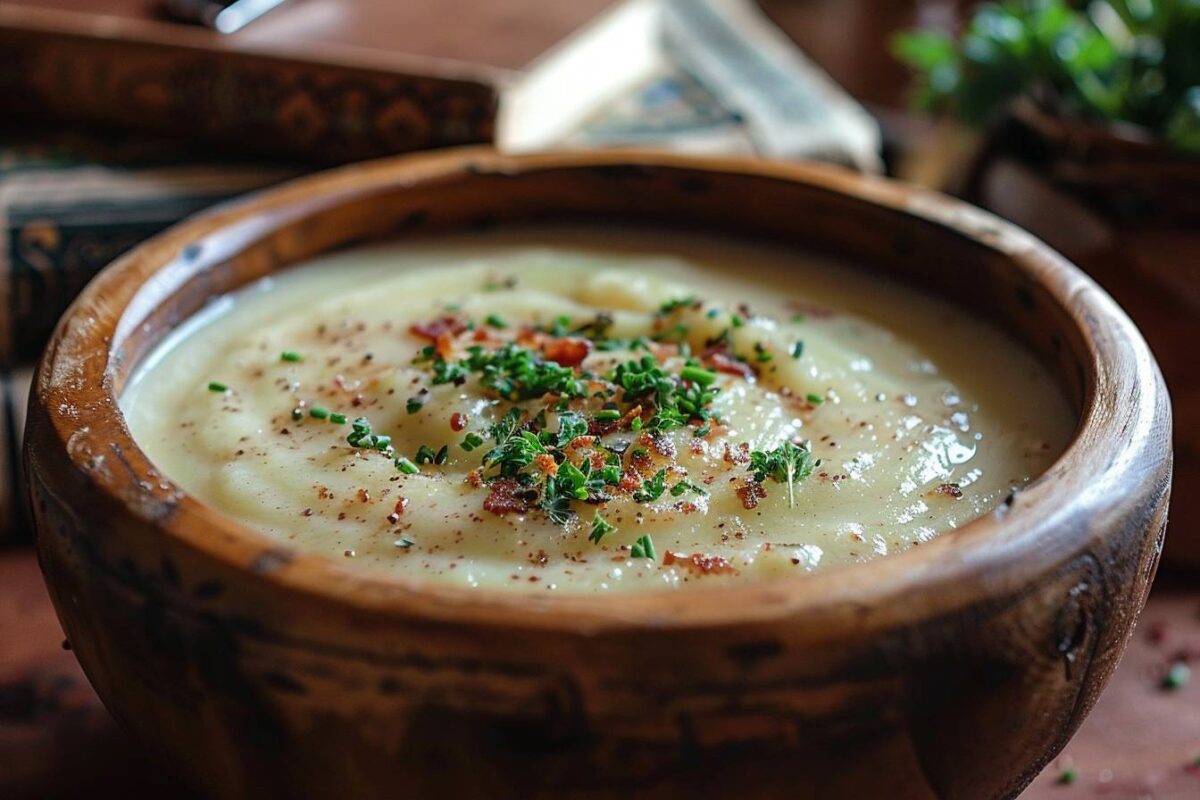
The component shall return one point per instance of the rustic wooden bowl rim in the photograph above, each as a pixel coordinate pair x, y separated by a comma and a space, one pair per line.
997, 552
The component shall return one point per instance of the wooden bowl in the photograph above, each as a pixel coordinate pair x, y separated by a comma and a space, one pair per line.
957, 669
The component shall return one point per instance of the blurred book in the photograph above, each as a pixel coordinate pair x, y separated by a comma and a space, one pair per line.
704, 76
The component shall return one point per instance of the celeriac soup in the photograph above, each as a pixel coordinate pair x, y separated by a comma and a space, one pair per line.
598, 410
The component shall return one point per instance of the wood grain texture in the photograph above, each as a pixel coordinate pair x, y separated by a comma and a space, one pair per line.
955, 670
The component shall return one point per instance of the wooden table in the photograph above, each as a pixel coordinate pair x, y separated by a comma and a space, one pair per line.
57, 740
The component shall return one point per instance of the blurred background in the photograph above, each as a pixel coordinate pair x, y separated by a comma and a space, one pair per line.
1079, 121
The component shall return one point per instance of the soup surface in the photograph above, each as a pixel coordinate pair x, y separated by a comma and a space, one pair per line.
593, 410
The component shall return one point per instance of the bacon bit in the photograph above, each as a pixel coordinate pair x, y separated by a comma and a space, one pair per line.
659, 444
475, 477
568, 351
640, 459
539, 560
723, 362
435, 329
631, 481
458, 421
507, 496
401, 504
737, 455
687, 507
324, 493
948, 489
697, 446
750, 492
445, 345
364, 496
580, 442
699, 562
630, 415
545, 463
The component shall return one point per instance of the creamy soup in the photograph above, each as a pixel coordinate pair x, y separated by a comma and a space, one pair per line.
589, 411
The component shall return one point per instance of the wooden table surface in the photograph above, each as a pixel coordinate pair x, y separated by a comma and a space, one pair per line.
57, 741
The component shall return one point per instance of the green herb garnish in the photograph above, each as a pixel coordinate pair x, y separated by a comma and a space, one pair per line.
685, 486
677, 303
217, 386
600, 529
797, 349
787, 463
496, 321
471, 441
1177, 676
337, 418
319, 412
652, 488
643, 548
414, 404
289, 355
406, 466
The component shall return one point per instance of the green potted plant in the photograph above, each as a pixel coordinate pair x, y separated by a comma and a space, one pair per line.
1091, 120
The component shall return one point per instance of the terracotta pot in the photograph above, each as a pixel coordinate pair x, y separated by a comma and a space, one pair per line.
955, 670
1126, 210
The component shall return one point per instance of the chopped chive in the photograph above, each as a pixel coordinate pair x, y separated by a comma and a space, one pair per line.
679, 302
217, 386
440, 457
636, 424
496, 321
761, 353
406, 466
404, 543
425, 454
698, 375
414, 405
643, 548
383, 442
1177, 676
318, 412
600, 528
471, 441
337, 418
289, 355
1068, 776
815, 399
797, 349
736, 321
608, 414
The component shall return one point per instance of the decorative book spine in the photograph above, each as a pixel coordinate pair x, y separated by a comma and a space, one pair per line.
276, 106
